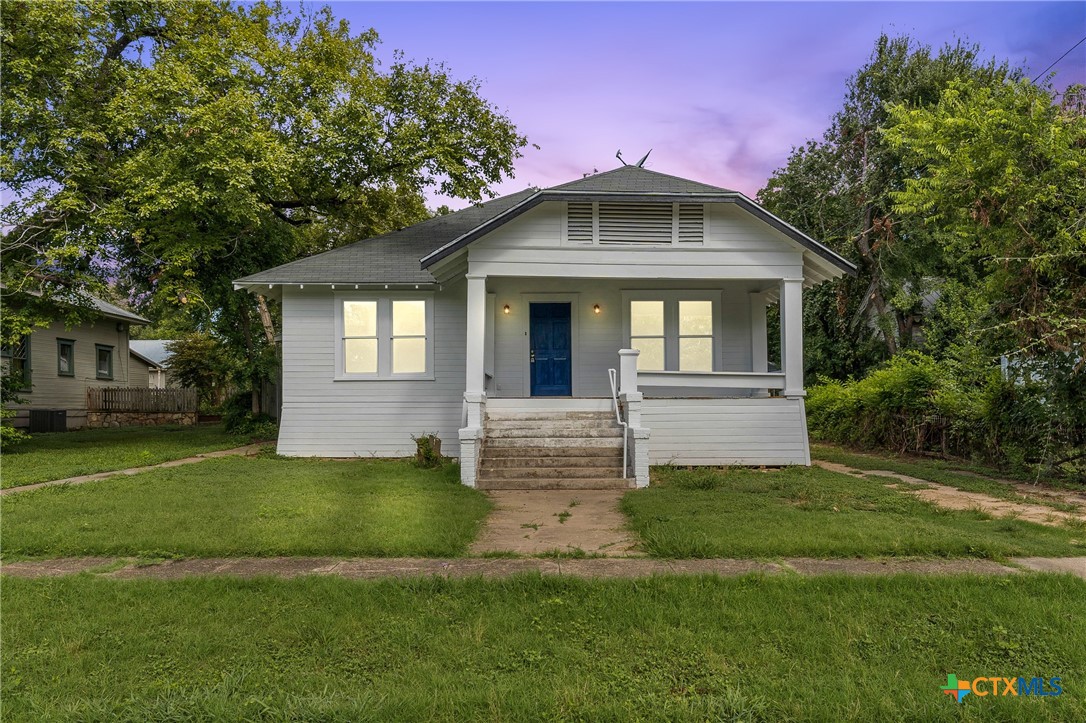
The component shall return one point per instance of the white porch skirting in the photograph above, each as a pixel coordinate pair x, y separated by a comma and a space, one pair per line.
726, 431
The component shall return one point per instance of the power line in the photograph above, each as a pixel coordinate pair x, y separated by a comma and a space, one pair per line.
1060, 58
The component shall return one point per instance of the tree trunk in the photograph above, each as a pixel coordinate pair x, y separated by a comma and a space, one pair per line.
266, 319
863, 245
247, 328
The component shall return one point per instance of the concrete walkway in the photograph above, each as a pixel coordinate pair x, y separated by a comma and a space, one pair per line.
953, 498
533, 522
248, 449
629, 567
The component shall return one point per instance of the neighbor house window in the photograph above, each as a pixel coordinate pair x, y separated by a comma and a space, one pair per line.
385, 338
65, 357
15, 361
103, 356
675, 331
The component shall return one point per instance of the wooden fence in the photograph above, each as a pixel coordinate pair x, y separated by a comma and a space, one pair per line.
140, 399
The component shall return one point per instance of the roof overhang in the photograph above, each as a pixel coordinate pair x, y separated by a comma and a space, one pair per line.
815, 248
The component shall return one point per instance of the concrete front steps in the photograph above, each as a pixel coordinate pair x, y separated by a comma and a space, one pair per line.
552, 450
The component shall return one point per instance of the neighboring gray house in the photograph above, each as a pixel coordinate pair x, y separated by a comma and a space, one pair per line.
495, 328
153, 355
58, 365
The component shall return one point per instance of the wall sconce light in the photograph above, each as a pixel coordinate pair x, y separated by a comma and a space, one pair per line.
505, 309
596, 308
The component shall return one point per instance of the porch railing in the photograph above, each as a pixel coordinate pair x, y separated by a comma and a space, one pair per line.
141, 399
712, 380
613, 375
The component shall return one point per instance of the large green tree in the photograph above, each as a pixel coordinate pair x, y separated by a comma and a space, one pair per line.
179, 145
1002, 186
840, 189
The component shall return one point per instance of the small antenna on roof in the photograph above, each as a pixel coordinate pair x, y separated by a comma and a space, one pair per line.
641, 163
619, 157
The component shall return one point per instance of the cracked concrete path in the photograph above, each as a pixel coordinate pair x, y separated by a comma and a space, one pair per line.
531, 522
247, 450
591, 568
955, 499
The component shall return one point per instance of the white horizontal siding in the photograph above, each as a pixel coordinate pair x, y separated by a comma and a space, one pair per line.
52, 391
726, 431
366, 418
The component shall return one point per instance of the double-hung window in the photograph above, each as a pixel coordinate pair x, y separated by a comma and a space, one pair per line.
15, 361
103, 356
674, 331
65, 358
384, 338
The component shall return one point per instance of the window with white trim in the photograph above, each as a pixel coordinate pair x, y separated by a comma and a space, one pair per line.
695, 336
647, 334
674, 331
384, 338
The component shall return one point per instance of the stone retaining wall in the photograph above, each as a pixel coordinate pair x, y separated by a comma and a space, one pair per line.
138, 419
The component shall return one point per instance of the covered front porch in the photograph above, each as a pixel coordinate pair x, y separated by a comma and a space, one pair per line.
690, 356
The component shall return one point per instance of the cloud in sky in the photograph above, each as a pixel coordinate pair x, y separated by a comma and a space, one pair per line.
720, 91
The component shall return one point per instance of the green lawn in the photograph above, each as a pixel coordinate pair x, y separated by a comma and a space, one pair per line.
802, 511
250, 506
961, 475
530, 648
48, 457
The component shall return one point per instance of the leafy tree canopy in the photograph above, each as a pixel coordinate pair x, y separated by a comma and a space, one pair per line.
839, 190
184, 144
1003, 187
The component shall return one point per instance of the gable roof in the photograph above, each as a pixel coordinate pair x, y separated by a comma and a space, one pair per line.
633, 179
153, 351
405, 256
115, 312
389, 259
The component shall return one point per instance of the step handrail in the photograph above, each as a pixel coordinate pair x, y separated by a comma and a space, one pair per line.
613, 375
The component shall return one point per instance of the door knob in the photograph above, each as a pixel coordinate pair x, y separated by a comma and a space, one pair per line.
531, 358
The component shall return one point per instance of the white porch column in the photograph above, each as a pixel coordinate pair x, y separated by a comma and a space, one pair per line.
792, 336
471, 436
759, 338
476, 334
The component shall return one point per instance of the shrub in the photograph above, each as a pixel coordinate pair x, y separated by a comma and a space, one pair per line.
914, 403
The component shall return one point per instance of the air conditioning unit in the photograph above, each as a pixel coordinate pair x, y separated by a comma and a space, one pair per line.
48, 420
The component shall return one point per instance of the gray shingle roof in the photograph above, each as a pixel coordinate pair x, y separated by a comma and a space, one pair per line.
395, 258
116, 312
631, 179
389, 259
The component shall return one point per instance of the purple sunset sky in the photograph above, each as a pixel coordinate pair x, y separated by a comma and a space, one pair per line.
720, 91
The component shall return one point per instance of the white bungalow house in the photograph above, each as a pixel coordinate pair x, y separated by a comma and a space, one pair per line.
497, 328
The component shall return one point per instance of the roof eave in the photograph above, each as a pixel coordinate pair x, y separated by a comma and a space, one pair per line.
535, 199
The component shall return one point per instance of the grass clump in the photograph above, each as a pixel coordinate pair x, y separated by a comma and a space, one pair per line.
811, 512
537, 648
239, 506
46, 457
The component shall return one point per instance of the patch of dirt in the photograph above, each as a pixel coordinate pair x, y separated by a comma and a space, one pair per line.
953, 498
533, 522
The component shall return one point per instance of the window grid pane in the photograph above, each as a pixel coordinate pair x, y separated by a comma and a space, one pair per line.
409, 355
646, 318
696, 354
651, 358
64, 358
695, 318
360, 356
360, 319
408, 318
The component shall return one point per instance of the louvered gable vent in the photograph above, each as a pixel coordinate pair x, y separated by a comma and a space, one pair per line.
691, 223
579, 223
625, 223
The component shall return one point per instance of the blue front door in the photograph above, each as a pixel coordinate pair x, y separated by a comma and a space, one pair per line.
551, 351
